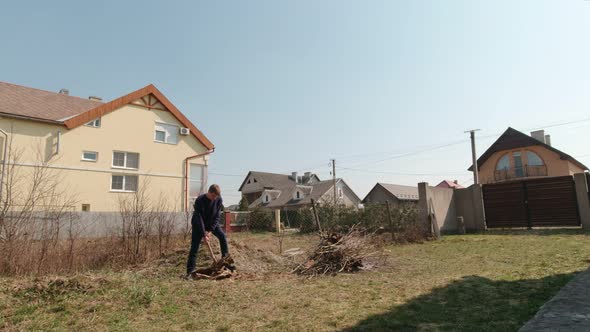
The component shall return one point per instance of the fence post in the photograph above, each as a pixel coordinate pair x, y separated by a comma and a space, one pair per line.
315, 216
278, 220
390, 221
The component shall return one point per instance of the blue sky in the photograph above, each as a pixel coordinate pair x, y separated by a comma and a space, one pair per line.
286, 85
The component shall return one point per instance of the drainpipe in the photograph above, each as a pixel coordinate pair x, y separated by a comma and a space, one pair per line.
3, 162
186, 169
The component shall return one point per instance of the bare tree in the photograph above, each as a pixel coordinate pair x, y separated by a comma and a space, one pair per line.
33, 202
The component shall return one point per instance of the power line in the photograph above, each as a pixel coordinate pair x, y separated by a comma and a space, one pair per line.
398, 173
222, 174
463, 141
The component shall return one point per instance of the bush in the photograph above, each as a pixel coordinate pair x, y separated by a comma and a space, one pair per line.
374, 217
261, 220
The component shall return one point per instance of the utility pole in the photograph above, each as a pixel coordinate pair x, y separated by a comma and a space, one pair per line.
474, 155
334, 180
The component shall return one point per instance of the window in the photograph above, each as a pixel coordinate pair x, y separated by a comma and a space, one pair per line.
86, 207
94, 123
160, 136
518, 170
89, 156
124, 183
166, 133
298, 195
503, 163
533, 159
266, 199
196, 180
340, 193
126, 160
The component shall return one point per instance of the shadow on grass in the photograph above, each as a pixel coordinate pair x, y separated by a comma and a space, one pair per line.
538, 231
471, 304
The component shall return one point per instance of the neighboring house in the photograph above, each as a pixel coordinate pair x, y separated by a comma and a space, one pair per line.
515, 155
106, 150
280, 191
393, 193
449, 184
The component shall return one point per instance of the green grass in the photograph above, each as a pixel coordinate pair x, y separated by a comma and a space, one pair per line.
494, 282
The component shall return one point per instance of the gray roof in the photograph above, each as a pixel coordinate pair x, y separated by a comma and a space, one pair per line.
285, 199
270, 180
403, 193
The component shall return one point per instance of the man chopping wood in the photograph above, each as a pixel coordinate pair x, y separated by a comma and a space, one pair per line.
205, 222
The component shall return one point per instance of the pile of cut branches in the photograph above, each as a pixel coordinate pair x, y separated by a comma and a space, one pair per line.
220, 269
349, 252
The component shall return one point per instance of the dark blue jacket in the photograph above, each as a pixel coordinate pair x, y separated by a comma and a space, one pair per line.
206, 214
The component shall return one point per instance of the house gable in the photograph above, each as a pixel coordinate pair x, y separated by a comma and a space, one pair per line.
149, 97
513, 139
378, 194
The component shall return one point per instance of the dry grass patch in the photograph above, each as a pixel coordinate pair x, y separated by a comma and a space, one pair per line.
488, 282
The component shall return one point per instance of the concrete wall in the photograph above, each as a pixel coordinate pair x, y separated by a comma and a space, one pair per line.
555, 165
441, 203
129, 129
469, 205
447, 204
581, 182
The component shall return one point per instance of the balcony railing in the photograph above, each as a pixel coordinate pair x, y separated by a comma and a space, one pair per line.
520, 172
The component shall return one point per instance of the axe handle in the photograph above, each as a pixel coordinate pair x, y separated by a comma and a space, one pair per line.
211, 251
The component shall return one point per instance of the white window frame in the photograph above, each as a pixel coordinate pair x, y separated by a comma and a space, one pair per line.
91, 160
125, 160
163, 125
124, 180
94, 123
202, 181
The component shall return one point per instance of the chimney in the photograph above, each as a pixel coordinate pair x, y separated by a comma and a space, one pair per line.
539, 135
95, 98
306, 177
64, 92
548, 140
294, 176
455, 182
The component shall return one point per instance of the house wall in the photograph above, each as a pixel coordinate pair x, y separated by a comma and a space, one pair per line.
129, 129
379, 195
555, 165
349, 199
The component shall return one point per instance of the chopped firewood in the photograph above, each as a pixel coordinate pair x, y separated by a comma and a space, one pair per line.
221, 269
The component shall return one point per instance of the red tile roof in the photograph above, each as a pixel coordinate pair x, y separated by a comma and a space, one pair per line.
38, 104
449, 184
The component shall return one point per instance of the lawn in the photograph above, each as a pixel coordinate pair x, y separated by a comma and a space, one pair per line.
495, 281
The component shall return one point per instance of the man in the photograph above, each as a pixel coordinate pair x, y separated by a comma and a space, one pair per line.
204, 222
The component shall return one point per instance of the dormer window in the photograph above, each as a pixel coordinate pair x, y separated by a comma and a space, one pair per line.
94, 123
298, 195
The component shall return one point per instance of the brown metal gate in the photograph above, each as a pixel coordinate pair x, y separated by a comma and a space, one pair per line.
542, 202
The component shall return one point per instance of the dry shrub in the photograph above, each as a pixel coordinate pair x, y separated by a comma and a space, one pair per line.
336, 253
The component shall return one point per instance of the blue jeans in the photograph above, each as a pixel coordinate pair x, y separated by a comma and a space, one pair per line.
196, 238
